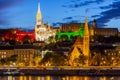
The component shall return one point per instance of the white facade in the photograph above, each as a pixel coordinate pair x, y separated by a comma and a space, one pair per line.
42, 32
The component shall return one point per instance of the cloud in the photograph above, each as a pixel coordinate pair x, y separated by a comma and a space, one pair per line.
4, 4
8, 3
3, 22
3, 18
67, 18
67, 22
79, 3
107, 15
94, 16
74, 21
56, 24
105, 7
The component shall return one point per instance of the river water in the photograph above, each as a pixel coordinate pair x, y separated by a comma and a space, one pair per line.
58, 78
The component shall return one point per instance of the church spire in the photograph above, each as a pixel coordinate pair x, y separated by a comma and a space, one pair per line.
86, 41
86, 28
38, 16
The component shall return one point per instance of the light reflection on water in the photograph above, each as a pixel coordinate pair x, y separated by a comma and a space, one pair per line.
58, 78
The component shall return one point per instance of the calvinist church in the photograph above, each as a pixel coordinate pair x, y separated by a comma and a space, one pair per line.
81, 47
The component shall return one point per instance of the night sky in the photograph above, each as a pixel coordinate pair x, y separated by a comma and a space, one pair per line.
22, 13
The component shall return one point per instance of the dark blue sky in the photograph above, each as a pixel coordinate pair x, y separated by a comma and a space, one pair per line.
22, 13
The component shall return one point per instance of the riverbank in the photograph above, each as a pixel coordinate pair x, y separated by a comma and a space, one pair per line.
62, 72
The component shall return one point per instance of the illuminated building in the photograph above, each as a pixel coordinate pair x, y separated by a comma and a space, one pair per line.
118, 48
106, 32
42, 32
27, 54
69, 34
76, 50
118, 34
6, 51
104, 55
81, 46
72, 27
19, 36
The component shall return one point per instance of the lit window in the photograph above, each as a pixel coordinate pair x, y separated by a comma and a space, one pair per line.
2, 56
105, 51
4, 52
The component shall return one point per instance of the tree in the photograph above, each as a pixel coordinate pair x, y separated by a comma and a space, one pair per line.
82, 59
51, 39
96, 60
12, 58
64, 37
46, 58
37, 61
26, 39
3, 61
54, 59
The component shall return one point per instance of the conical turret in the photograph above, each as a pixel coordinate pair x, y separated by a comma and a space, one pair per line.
92, 29
94, 24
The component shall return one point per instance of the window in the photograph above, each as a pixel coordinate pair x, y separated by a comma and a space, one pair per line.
4, 52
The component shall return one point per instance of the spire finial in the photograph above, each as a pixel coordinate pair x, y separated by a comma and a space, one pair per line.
38, 7
86, 11
86, 19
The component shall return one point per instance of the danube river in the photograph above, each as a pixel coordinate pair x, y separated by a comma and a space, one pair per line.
58, 78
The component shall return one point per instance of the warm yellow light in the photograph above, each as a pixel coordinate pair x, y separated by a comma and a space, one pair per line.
25, 78
10, 78
30, 78
21, 77
38, 78
48, 78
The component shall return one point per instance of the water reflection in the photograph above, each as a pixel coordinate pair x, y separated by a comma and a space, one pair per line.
57, 78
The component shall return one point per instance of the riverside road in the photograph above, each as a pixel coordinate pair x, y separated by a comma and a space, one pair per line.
60, 71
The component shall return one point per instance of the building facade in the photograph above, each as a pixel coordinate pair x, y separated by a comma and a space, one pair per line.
6, 51
27, 55
106, 32
72, 27
118, 34
42, 31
